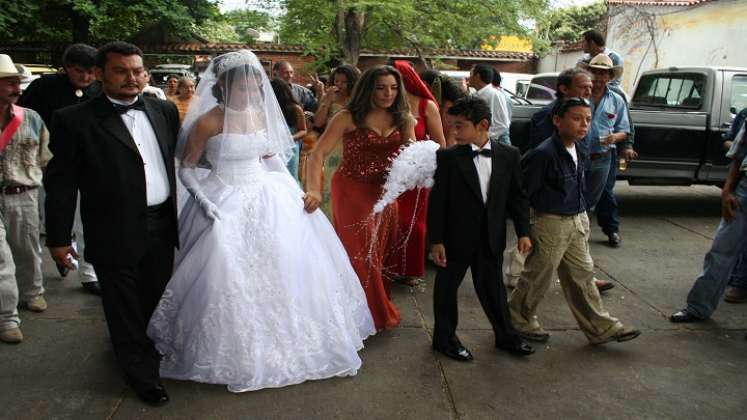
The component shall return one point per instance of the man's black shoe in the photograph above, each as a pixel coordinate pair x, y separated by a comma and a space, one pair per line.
63, 270
458, 352
614, 239
92, 287
683, 316
517, 349
155, 396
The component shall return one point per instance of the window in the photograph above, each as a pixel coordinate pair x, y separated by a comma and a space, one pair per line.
738, 93
679, 90
542, 88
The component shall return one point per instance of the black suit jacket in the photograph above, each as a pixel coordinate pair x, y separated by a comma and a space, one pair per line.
456, 211
95, 153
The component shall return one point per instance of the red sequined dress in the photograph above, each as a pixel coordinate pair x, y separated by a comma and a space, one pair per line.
356, 186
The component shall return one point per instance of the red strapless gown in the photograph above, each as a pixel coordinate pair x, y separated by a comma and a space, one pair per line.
356, 186
409, 258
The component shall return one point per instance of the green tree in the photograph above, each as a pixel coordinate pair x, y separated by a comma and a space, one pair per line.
243, 20
340, 28
101, 20
567, 24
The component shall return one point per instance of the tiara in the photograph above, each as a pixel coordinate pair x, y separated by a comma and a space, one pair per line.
234, 59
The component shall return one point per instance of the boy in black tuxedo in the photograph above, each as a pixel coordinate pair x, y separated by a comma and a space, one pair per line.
477, 186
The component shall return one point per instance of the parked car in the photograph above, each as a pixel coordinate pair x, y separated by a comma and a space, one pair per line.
161, 72
541, 89
680, 115
516, 83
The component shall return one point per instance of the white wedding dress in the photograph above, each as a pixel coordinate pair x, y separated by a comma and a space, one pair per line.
265, 296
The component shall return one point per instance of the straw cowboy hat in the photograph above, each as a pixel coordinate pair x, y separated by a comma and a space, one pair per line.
602, 61
8, 69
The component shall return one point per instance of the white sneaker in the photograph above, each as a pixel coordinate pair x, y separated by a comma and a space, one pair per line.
12, 336
37, 304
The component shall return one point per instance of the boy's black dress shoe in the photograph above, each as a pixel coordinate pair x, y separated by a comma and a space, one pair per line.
519, 348
458, 352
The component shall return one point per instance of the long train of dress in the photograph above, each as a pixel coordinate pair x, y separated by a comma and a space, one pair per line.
264, 297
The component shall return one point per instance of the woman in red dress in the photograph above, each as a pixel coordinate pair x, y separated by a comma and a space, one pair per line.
407, 259
372, 127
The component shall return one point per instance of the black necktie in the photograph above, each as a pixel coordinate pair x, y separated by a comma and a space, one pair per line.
484, 152
122, 109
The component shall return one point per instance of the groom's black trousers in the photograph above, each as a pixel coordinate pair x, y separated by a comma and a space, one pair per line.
488, 281
130, 292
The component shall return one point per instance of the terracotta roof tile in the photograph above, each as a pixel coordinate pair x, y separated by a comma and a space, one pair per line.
659, 2
280, 48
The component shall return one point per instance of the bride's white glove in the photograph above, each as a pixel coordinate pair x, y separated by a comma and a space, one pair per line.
188, 176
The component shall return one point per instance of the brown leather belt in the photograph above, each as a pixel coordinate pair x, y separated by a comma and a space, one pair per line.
15, 190
599, 155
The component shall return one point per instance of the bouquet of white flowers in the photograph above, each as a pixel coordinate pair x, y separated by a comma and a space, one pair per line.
412, 168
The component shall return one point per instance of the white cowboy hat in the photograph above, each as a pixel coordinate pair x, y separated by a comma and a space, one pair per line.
8, 69
602, 61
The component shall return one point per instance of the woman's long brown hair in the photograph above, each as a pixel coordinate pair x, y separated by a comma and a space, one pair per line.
361, 100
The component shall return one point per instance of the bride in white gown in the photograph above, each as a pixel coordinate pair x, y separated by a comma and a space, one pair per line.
263, 294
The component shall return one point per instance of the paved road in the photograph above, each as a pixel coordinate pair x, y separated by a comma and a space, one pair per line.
65, 369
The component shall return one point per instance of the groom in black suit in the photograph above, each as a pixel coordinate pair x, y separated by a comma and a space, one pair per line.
477, 185
117, 149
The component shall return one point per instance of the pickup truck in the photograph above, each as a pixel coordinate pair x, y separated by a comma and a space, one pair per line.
680, 115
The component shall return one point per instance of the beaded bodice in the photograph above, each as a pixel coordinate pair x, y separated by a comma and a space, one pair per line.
366, 155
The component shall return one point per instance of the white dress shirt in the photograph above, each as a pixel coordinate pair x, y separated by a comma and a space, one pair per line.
574, 154
484, 166
500, 121
156, 181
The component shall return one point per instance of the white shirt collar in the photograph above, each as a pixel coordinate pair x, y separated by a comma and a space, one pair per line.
486, 147
484, 88
121, 102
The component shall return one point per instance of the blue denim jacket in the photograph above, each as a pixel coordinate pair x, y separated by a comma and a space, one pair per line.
610, 116
738, 150
736, 125
553, 183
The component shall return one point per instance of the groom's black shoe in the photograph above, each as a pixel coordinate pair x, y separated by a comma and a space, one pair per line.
456, 352
92, 287
519, 348
155, 396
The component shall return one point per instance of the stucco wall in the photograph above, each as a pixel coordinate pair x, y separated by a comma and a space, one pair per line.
710, 34
558, 61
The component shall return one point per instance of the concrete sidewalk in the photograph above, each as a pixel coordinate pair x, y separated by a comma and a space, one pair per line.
65, 369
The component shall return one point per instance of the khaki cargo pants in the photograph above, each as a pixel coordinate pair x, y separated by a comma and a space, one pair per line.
561, 243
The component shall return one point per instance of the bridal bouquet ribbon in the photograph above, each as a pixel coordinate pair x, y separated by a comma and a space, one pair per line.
412, 168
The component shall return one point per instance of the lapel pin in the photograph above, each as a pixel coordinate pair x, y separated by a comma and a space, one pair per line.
78, 93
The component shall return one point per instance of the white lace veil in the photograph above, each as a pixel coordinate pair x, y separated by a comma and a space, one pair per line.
236, 90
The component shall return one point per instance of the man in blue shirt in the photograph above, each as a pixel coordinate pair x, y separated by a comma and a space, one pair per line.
609, 125
606, 208
729, 242
593, 44
737, 292
559, 230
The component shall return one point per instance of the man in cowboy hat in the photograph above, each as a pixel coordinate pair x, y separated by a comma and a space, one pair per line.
606, 209
23, 154
56, 91
609, 125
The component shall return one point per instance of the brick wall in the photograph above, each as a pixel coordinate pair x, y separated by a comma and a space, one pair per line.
302, 65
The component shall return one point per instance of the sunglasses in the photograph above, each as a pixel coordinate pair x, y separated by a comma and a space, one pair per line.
566, 103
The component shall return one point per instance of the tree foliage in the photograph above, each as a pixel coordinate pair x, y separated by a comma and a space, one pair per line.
339, 28
97, 21
567, 24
